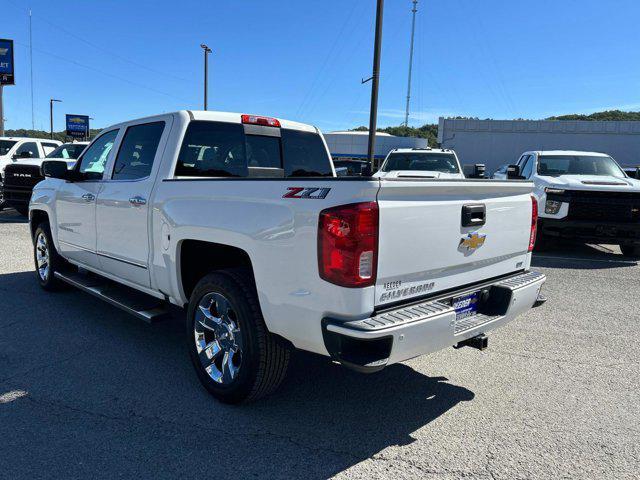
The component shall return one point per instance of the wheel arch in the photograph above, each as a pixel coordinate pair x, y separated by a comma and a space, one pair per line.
197, 258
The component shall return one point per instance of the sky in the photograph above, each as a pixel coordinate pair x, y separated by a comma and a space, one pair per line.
304, 60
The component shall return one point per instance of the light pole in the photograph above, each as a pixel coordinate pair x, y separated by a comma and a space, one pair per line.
51, 100
373, 114
207, 51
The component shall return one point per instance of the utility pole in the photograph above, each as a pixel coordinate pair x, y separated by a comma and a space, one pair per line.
207, 51
51, 100
1, 113
373, 114
413, 32
33, 118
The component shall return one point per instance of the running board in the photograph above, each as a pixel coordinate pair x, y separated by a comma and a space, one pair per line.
141, 305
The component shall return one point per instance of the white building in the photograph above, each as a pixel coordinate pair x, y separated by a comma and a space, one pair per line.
499, 142
354, 145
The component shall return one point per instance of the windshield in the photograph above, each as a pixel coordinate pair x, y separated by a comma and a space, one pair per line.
433, 162
5, 146
70, 150
556, 165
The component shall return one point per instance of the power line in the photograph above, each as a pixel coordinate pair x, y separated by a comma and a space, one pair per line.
103, 49
108, 74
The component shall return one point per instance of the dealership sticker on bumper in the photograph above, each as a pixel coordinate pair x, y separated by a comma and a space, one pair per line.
465, 306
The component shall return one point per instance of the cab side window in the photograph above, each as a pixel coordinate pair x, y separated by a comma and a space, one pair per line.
91, 164
137, 151
27, 150
527, 168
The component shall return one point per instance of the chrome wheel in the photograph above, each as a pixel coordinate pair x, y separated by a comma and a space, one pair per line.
42, 256
218, 338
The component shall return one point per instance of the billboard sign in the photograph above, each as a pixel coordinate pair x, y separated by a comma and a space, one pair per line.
77, 126
6, 62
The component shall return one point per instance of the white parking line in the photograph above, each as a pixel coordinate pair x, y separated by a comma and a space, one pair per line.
12, 395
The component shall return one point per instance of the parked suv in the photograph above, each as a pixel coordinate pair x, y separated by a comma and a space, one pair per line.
15, 148
584, 196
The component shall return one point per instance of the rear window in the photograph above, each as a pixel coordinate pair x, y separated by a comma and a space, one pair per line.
431, 162
218, 149
305, 155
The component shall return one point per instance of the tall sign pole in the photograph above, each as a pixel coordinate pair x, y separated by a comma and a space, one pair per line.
51, 100
373, 114
413, 32
6, 74
1, 113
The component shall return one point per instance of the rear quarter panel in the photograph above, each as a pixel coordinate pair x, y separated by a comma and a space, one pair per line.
279, 235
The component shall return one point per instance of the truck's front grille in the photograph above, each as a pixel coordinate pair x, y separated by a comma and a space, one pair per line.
598, 206
16, 175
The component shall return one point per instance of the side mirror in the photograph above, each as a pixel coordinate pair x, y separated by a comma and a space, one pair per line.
25, 154
513, 172
366, 170
55, 169
476, 170
342, 172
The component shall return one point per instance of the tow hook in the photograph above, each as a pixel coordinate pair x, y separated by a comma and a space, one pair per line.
479, 342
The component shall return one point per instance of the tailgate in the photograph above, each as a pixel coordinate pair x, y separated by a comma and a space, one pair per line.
424, 248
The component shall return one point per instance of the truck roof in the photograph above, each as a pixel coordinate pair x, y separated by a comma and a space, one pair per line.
422, 150
29, 138
566, 152
229, 117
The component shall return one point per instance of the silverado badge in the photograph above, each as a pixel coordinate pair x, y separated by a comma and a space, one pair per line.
472, 242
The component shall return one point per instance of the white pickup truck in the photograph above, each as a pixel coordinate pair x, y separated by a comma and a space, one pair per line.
583, 196
241, 220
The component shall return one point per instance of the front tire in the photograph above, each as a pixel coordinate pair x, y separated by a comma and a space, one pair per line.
47, 259
237, 360
630, 250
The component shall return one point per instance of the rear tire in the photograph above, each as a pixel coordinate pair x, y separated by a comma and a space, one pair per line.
236, 358
47, 259
630, 250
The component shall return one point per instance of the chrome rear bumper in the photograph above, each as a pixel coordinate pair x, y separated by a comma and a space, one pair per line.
396, 335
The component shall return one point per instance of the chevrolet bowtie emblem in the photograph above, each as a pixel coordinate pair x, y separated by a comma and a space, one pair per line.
472, 242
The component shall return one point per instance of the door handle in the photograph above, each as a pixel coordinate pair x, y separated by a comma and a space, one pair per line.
89, 197
137, 200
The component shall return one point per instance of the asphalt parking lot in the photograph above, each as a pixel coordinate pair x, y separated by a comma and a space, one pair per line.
87, 391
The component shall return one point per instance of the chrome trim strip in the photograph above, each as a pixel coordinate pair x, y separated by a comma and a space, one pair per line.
128, 262
74, 245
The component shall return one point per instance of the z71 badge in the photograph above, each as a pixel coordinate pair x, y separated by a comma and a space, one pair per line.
308, 192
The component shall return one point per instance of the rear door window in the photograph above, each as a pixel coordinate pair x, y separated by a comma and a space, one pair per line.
137, 151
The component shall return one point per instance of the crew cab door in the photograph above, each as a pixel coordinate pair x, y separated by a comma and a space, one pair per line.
76, 202
122, 212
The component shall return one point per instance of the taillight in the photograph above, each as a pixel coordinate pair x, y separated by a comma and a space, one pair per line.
258, 120
348, 244
534, 223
